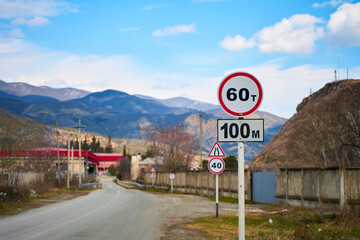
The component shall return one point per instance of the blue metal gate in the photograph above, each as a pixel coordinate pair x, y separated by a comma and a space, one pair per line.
263, 187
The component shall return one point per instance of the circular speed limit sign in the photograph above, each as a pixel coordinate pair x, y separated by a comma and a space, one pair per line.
172, 176
216, 165
240, 94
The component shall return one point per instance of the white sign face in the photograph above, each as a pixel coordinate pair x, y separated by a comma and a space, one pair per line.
172, 176
153, 175
216, 165
240, 94
153, 170
240, 130
216, 151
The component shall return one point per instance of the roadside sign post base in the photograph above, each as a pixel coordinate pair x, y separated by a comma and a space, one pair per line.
172, 177
217, 195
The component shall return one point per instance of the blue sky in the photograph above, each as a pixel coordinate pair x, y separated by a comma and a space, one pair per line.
181, 48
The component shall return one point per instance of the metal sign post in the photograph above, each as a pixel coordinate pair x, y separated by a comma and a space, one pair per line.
172, 177
240, 94
153, 176
216, 166
241, 190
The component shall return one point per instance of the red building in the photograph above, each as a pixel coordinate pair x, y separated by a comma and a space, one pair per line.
94, 163
105, 160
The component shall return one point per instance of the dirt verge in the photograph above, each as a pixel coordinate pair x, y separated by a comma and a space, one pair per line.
40, 202
179, 210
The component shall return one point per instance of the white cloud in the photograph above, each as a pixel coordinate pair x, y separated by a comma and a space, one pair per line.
332, 3
36, 21
294, 35
169, 31
33, 8
237, 43
16, 33
10, 45
343, 27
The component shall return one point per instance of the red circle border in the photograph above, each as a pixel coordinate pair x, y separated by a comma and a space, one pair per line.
226, 109
212, 170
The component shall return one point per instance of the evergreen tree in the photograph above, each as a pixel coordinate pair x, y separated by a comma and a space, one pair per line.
109, 148
93, 144
231, 162
85, 145
99, 149
124, 152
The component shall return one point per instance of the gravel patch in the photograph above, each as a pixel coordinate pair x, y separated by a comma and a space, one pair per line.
179, 210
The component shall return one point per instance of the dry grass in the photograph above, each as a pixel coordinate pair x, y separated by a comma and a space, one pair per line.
292, 223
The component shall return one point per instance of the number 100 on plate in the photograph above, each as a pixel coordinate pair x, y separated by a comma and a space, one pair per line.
240, 130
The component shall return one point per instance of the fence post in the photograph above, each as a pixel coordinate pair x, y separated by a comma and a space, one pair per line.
319, 186
195, 182
302, 187
230, 183
342, 200
248, 184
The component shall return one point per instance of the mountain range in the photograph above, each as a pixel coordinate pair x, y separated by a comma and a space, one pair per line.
123, 115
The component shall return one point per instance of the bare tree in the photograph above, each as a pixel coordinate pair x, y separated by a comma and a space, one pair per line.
18, 138
173, 146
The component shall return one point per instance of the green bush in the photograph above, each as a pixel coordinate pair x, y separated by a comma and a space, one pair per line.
112, 170
119, 176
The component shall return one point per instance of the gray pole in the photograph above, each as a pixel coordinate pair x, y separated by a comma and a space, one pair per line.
79, 128
217, 195
200, 115
68, 164
58, 155
72, 162
241, 191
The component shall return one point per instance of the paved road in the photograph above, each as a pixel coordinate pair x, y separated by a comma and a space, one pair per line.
110, 213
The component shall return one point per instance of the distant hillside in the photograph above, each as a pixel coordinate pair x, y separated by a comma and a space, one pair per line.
324, 132
125, 116
23, 89
182, 102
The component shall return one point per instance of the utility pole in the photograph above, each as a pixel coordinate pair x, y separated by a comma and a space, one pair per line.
72, 162
200, 116
79, 129
68, 163
58, 155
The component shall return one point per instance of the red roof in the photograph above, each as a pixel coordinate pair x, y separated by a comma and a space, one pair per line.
109, 156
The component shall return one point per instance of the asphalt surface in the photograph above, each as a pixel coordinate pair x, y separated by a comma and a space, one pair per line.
109, 213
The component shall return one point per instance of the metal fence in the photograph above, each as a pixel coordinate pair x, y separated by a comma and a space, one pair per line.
263, 187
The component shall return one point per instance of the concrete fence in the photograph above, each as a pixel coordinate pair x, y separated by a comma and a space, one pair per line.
310, 187
203, 183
